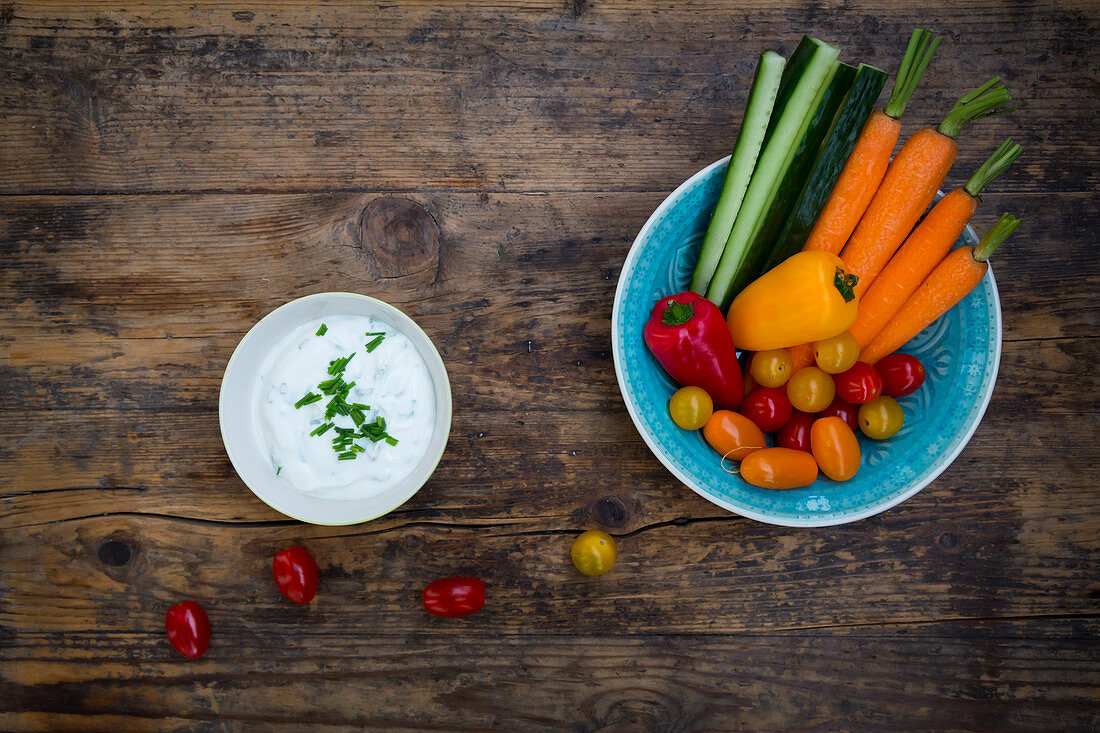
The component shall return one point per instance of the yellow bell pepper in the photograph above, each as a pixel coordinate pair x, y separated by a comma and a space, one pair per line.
807, 297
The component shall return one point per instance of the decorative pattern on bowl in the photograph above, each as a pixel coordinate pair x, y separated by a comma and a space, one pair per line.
961, 353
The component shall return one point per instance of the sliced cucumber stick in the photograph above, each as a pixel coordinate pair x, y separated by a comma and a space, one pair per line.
758, 111
830, 162
775, 158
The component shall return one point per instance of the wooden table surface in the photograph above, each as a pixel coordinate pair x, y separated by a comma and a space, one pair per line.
171, 172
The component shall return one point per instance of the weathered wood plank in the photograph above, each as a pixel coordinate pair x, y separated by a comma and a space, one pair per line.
533, 96
1022, 676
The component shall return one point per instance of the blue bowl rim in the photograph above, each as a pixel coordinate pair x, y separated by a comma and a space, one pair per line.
826, 520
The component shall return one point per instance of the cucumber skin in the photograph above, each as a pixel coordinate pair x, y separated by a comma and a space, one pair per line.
761, 101
839, 143
720, 290
793, 182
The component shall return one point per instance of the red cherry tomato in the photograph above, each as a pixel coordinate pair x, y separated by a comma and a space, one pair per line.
796, 433
454, 597
846, 411
188, 629
768, 407
902, 374
296, 574
862, 383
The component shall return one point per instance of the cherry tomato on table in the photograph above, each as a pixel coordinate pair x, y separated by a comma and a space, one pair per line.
733, 435
771, 368
594, 552
454, 597
296, 574
835, 448
862, 383
902, 374
188, 629
796, 433
846, 411
881, 418
837, 354
810, 390
779, 468
690, 407
768, 407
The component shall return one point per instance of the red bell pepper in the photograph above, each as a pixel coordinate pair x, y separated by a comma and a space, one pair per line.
688, 335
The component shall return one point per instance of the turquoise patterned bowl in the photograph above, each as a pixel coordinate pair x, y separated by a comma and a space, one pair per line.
960, 352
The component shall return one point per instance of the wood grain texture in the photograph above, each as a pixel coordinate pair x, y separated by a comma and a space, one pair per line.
172, 172
528, 96
977, 677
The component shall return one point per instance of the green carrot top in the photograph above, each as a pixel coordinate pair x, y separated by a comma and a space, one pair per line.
922, 44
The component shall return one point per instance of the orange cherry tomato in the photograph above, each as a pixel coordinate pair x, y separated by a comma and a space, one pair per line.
733, 435
835, 448
779, 468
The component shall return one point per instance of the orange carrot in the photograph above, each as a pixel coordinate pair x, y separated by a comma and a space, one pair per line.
925, 247
952, 279
802, 356
869, 158
910, 184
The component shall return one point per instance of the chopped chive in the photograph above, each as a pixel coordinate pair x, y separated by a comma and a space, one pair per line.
309, 399
322, 429
322, 330
358, 417
375, 333
374, 343
349, 456
278, 470
358, 448
360, 406
391, 440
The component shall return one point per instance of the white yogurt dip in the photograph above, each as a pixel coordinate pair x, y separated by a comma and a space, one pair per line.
392, 381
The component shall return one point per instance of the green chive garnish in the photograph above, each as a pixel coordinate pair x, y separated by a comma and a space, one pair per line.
309, 399
322, 330
374, 343
349, 456
278, 470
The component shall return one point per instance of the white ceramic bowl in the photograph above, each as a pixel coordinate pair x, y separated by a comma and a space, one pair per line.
235, 410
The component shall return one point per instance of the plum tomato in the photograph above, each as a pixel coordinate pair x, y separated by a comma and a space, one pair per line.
881, 418
690, 407
835, 448
593, 552
862, 383
846, 411
454, 597
796, 433
188, 629
902, 374
768, 407
771, 368
810, 390
779, 468
733, 435
296, 574
837, 354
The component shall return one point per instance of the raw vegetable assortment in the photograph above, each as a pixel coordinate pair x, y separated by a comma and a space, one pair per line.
815, 255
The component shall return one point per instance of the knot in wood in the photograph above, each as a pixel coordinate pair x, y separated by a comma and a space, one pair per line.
400, 237
610, 511
114, 553
948, 540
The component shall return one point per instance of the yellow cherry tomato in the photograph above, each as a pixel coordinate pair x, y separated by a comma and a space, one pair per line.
733, 435
594, 552
837, 354
881, 418
771, 368
810, 390
690, 407
779, 468
835, 448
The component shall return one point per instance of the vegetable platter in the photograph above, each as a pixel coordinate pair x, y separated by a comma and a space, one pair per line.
815, 245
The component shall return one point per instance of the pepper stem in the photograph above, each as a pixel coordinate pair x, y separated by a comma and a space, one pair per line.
845, 282
677, 314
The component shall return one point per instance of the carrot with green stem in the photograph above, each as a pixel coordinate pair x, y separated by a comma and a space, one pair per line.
870, 157
952, 279
925, 247
911, 183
